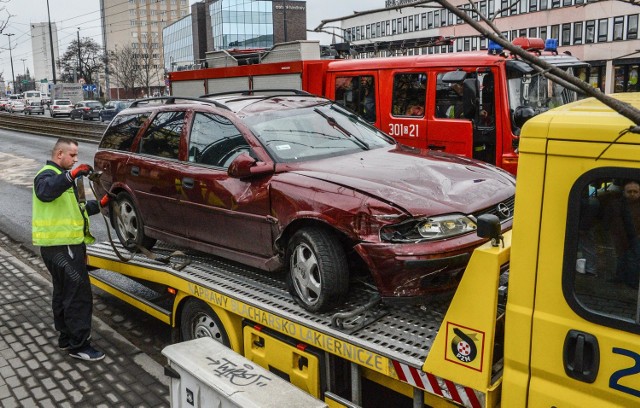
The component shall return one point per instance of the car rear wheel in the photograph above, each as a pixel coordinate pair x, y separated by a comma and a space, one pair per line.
199, 320
129, 225
318, 275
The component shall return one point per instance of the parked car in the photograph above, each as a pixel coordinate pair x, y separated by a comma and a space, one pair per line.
112, 108
16, 106
297, 182
34, 107
3, 104
60, 107
87, 110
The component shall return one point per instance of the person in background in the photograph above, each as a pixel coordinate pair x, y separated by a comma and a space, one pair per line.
60, 227
623, 220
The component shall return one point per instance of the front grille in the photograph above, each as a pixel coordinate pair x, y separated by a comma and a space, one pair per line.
500, 210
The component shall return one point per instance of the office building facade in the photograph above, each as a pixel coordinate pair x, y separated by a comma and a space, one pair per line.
603, 33
41, 49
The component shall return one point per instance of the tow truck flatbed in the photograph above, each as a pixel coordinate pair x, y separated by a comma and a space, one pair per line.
401, 333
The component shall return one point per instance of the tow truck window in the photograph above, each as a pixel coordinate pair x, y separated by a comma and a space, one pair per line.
409, 94
602, 248
215, 140
357, 93
123, 130
163, 135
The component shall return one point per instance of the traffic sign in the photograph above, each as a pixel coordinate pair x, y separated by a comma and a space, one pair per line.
89, 87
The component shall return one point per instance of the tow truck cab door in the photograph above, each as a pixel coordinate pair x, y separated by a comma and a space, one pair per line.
585, 342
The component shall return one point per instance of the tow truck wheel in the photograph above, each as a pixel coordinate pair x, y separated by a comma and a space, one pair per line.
129, 225
198, 320
318, 275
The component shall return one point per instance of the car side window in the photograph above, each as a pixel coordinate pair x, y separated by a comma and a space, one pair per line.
602, 248
163, 135
215, 140
122, 131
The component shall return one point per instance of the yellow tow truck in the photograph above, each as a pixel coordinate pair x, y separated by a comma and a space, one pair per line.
541, 318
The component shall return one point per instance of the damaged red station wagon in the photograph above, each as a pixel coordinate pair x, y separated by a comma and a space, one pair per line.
293, 181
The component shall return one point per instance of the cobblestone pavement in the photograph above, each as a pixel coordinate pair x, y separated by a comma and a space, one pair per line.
34, 373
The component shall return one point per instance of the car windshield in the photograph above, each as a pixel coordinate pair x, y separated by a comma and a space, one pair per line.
94, 104
314, 132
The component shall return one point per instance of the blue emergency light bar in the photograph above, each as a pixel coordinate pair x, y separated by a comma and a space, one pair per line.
551, 44
494, 48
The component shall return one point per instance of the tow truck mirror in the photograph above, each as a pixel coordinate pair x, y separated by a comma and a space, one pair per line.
245, 166
488, 227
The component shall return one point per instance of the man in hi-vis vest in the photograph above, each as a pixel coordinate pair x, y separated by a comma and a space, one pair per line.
60, 226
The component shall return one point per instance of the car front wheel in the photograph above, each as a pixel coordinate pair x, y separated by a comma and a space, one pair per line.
129, 225
318, 275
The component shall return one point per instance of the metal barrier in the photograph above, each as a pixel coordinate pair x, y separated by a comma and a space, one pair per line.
46, 126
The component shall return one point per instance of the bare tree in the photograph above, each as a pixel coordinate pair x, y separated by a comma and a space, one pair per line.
84, 56
123, 64
148, 67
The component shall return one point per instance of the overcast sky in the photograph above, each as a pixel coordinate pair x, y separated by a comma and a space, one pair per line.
69, 15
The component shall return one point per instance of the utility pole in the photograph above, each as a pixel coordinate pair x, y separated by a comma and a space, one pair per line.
79, 60
53, 57
11, 57
284, 19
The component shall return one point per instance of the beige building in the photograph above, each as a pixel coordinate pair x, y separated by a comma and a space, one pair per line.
139, 23
603, 33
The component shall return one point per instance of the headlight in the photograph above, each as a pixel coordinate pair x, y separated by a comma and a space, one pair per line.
428, 229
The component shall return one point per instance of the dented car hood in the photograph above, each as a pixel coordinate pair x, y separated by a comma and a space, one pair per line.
421, 182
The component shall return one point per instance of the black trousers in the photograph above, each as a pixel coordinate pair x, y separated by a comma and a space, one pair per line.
72, 301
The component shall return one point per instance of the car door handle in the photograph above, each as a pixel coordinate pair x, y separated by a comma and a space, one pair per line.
188, 182
135, 171
581, 355
437, 147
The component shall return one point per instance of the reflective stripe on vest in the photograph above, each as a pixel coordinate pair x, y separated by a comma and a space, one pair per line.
59, 222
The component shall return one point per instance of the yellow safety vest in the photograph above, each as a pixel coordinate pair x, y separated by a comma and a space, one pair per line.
61, 221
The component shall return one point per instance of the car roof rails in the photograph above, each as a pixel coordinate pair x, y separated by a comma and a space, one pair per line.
251, 92
170, 100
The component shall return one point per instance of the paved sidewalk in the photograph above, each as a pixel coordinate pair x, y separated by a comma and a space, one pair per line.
34, 373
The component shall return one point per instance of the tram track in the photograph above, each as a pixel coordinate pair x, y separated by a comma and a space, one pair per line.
46, 126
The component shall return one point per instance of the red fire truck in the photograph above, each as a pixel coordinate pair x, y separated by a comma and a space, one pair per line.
471, 103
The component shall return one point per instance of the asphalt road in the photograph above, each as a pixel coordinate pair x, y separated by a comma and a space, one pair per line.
21, 156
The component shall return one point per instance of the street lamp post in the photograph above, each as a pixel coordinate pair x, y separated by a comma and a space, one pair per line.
13, 77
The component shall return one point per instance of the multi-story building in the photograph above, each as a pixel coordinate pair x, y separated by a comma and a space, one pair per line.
232, 24
41, 49
139, 24
603, 33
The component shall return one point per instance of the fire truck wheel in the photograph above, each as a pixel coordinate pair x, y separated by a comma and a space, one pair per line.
129, 225
318, 275
198, 320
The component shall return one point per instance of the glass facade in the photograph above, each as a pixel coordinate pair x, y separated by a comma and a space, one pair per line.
241, 24
177, 39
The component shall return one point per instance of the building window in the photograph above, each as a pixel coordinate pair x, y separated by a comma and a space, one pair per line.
504, 6
483, 7
555, 3
555, 31
618, 28
430, 19
543, 32
416, 21
423, 21
566, 34
544, 4
533, 32
566, 3
590, 32
524, 6
632, 27
410, 26
436, 18
603, 30
443, 18
533, 5
577, 33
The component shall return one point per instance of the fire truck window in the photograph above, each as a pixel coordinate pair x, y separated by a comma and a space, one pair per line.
215, 141
409, 94
357, 93
449, 101
163, 136
602, 249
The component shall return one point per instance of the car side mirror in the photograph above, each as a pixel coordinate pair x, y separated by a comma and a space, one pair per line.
245, 166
